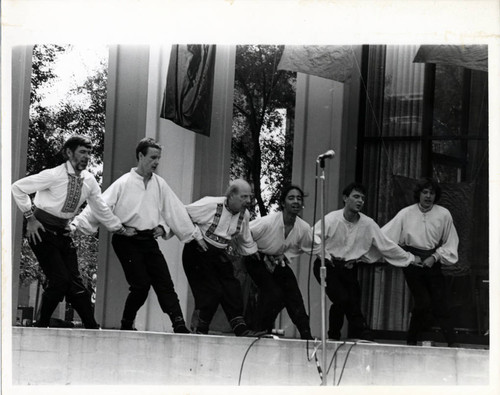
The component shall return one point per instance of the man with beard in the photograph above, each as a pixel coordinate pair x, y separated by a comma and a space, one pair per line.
223, 222
351, 236
426, 229
281, 236
147, 206
60, 192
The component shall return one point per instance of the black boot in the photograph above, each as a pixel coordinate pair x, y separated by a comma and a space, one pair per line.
127, 325
240, 328
179, 325
46, 309
305, 334
81, 303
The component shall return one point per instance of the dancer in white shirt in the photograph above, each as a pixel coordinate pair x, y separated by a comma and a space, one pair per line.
60, 192
281, 236
223, 222
351, 236
147, 205
426, 229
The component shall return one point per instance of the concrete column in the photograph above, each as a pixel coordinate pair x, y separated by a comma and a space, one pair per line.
21, 88
125, 126
318, 127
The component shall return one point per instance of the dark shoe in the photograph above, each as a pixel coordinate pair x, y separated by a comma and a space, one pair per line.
453, 345
95, 326
251, 333
306, 335
127, 326
367, 334
81, 303
179, 325
181, 329
411, 342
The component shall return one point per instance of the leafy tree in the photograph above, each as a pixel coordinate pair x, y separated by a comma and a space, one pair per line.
264, 101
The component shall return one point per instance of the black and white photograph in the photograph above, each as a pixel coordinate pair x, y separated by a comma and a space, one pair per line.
267, 196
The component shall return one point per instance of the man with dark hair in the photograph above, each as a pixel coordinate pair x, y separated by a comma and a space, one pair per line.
146, 204
426, 230
60, 192
351, 236
281, 236
223, 222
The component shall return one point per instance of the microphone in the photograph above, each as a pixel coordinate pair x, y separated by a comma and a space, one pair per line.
327, 155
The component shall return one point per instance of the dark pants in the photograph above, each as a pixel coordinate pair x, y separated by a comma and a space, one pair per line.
57, 257
343, 290
428, 289
211, 277
144, 266
277, 290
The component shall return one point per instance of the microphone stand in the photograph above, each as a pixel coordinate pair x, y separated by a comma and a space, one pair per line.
322, 272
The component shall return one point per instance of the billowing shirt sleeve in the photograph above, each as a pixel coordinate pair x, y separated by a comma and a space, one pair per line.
87, 222
245, 244
330, 229
448, 251
22, 188
176, 216
258, 227
100, 209
394, 228
391, 252
307, 244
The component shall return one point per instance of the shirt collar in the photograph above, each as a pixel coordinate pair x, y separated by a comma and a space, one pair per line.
69, 168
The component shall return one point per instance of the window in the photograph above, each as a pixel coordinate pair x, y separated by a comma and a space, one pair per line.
421, 120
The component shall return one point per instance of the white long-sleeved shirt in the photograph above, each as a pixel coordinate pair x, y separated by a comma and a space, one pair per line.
269, 234
426, 231
362, 240
56, 195
143, 207
219, 226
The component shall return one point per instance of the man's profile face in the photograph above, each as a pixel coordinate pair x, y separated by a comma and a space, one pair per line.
79, 158
355, 201
149, 162
240, 199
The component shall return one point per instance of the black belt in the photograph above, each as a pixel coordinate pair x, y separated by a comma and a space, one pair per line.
419, 252
146, 234
49, 221
343, 264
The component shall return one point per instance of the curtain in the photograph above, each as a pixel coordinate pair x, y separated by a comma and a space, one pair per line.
394, 108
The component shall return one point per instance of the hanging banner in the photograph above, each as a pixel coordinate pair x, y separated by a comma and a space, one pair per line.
189, 89
334, 62
473, 57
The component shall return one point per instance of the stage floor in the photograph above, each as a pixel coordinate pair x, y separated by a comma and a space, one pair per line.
83, 357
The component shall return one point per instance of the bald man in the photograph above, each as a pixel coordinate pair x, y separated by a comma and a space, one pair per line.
223, 222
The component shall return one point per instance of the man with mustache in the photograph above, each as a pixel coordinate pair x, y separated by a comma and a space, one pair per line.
60, 192
223, 222
426, 229
351, 236
147, 206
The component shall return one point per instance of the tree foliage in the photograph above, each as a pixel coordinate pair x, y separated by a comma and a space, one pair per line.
263, 114
81, 110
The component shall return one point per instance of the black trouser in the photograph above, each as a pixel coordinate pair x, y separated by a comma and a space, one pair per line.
144, 266
57, 257
428, 289
343, 290
276, 291
211, 277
